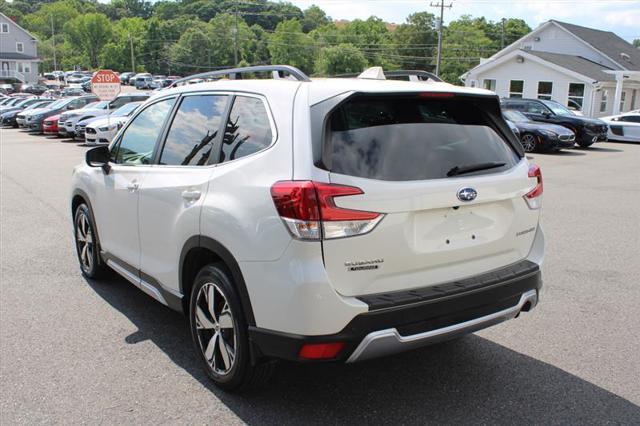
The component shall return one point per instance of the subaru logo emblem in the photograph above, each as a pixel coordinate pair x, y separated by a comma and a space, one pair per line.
467, 194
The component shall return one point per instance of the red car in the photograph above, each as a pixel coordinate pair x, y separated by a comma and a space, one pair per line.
50, 125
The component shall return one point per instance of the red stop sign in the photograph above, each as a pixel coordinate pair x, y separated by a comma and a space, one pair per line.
105, 84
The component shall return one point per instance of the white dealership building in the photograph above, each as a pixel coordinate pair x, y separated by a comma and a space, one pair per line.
595, 71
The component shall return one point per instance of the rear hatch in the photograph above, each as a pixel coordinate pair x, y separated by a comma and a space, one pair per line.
447, 179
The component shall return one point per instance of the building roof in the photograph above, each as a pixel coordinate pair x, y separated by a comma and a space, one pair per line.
576, 64
608, 43
15, 56
18, 25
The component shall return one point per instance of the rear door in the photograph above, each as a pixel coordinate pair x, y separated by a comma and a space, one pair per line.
173, 192
412, 157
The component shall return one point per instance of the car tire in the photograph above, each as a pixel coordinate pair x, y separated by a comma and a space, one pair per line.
86, 242
529, 142
220, 332
585, 144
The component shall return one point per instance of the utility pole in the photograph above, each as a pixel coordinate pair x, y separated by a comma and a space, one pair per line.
235, 34
133, 59
502, 35
53, 39
441, 5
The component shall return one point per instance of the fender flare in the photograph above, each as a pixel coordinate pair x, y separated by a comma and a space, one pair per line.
221, 251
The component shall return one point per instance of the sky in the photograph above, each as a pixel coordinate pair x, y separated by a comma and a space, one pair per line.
619, 16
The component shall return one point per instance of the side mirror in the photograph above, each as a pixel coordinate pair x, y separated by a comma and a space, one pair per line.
120, 124
99, 157
546, 114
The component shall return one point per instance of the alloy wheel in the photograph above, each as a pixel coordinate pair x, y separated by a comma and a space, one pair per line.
215, 328
528, 143
84, 242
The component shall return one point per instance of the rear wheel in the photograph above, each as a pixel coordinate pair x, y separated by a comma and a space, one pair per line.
220, 333
529, 142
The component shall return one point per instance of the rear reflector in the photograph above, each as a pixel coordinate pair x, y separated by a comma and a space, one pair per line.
534, 197
309, 211
321, 350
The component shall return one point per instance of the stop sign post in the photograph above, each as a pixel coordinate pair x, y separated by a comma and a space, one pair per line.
105, 84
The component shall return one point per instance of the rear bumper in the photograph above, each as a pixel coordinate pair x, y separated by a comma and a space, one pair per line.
405, 320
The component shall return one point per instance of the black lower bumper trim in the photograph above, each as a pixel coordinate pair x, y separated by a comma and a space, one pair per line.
426, 310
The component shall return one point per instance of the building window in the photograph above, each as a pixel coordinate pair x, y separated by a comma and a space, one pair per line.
27, 67
634, 96
490, 84
4, 28
623, 97
20, 69
576, 93
544, 90
516, 88
603, 101
19, 47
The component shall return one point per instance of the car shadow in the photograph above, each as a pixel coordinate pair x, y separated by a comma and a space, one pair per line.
470, 380
599, 149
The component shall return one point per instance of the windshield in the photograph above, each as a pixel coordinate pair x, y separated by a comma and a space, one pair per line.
97, 105
37, 105
59, 103
557, 108
515, 116
126, 109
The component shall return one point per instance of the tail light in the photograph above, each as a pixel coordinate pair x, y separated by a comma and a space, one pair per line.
308, 210
534, 197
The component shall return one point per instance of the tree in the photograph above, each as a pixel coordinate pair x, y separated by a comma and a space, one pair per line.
342, 59
373, 38
183, 53
415, 41
289, 45
636, 43
224, 40
313, 18
57, 13
464, 43
90, 32
126, 32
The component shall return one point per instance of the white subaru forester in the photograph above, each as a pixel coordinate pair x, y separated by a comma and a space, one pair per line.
325, 220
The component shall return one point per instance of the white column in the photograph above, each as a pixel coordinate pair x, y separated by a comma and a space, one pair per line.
618, 96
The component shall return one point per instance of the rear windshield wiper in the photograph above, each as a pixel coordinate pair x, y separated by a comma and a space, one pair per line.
460, 170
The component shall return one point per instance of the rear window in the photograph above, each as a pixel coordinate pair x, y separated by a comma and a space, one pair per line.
413, 138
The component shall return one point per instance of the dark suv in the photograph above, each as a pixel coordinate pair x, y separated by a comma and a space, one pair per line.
587, 130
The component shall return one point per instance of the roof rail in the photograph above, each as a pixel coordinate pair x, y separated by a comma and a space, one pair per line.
236, 73
414, 75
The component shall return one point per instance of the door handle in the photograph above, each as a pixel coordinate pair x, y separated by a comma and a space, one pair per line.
191, 194
133, 186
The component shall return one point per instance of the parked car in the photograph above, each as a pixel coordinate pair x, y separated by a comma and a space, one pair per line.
78, 78
7, 89
50, 125
69, 120
52, 93
331, 220
86, 86
34, 89
34, 120
540, 137
125, 76
103, 129
624, 127
73, 91
144, 82
10, 118
587, 130
132, 80
11, 103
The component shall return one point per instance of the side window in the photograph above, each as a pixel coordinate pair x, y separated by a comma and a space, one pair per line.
139, 139
248, 129
535, 108
194, 130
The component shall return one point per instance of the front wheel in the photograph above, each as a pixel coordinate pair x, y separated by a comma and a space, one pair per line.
529, 142
86, 243
220, 333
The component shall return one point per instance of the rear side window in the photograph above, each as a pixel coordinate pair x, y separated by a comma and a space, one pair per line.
248, 129
411, 138
194, 130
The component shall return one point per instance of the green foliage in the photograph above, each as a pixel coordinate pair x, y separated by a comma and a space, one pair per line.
289, 45
90, 32
342, 59
636, 43
415, 41
313, 18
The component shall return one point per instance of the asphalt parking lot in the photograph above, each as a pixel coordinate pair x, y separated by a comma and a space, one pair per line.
73, 351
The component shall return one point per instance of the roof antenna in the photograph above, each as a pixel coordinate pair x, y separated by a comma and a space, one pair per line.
373, 73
